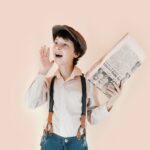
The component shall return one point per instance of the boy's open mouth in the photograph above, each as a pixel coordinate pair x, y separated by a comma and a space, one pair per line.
58, 55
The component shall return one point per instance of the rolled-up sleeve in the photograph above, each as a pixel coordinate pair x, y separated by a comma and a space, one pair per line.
37, 93
96, 112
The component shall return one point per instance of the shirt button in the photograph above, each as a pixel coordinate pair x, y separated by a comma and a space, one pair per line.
66, 140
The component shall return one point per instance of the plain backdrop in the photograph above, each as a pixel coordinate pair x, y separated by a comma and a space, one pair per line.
25, 25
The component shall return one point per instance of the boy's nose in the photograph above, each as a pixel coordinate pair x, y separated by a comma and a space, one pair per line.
59, 47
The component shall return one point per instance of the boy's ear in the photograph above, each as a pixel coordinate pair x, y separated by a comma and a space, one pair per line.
76, 55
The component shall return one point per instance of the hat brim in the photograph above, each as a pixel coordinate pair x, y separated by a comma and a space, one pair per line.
57, 28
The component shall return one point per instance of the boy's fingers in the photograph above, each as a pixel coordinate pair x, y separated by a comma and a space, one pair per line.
52, 62
48, 49
121, 84
116, 86
110, 91
113, 87
44, 50
41, 51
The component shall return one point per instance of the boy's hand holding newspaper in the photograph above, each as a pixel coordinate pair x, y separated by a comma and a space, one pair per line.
114, 92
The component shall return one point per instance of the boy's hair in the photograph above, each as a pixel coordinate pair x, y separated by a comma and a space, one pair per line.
66, 35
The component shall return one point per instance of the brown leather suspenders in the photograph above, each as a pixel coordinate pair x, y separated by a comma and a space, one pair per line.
49, 126
83, 115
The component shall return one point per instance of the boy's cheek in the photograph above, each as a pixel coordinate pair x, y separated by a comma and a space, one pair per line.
53, 52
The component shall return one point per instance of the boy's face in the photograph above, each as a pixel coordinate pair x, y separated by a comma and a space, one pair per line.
63, 51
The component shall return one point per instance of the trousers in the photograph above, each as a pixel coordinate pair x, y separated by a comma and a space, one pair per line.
57, 142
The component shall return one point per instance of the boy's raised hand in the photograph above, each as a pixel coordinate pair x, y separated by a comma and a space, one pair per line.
46, 64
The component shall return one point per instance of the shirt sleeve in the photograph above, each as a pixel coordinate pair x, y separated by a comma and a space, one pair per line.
96, 112
37, 92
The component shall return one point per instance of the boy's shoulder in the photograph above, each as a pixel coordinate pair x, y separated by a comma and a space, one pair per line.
49, 78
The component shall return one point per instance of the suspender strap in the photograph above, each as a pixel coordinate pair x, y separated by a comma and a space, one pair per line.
83, 115
49, 127
51, 92
83, 95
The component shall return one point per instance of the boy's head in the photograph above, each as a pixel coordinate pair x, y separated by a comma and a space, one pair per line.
68, 33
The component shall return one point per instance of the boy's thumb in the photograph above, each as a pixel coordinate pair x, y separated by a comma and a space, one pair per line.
52, 62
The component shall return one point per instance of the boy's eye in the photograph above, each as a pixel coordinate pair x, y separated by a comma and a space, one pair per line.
65, 44
55, 42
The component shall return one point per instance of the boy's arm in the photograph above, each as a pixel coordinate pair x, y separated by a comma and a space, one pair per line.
37, 93
96, 112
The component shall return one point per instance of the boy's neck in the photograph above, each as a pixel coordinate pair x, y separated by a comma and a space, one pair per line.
66, 71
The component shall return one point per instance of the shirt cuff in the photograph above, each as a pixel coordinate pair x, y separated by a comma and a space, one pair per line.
103, 108
99, 113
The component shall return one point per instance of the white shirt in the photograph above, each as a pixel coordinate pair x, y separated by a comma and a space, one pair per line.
67, 101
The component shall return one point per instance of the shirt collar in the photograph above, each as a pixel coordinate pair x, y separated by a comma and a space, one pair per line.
76, 72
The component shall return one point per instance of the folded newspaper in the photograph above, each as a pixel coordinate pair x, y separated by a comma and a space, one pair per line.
117, 65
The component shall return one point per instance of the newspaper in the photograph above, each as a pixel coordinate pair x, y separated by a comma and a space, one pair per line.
117, 65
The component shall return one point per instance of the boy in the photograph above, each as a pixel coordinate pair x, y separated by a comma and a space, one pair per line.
67, 93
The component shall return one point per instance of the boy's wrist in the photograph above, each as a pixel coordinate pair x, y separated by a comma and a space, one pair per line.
43, 71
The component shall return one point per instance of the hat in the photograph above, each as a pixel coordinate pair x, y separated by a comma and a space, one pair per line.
75, 35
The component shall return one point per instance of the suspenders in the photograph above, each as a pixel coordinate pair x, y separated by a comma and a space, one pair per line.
49, 126
83, 115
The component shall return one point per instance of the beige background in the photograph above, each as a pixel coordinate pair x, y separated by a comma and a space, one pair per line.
26, 25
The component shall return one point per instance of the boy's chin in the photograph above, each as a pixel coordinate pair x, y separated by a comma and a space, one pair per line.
59, 62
